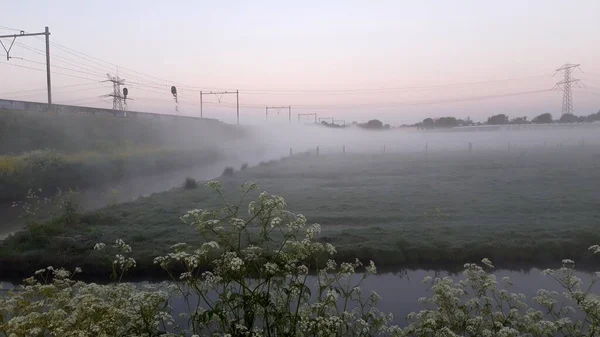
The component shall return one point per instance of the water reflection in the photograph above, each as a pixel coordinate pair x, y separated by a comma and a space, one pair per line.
401, 290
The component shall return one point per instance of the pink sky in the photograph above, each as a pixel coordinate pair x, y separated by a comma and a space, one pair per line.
313, 55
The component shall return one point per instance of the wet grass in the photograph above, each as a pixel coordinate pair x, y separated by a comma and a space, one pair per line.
439, 209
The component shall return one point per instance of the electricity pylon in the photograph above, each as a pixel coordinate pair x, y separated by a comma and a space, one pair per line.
565, 86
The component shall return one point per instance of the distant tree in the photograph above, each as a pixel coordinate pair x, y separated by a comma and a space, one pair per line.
372, 124
545, 118
375, 124
428, 123
519, 120
499, 119
464, 122
332, 125
387, 126
593, 117
568, 118
446, 122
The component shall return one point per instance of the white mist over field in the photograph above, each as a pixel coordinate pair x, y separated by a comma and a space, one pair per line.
268, 143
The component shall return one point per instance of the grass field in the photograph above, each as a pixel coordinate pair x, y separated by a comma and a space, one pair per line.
518, 208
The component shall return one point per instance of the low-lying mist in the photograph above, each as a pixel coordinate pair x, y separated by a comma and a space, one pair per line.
263, 143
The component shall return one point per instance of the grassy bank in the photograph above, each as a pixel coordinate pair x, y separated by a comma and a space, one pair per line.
26, 131
441, 209
49, 151
50, 170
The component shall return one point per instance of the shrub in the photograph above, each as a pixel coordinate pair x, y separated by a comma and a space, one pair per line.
190, 183
244, 166
228, 171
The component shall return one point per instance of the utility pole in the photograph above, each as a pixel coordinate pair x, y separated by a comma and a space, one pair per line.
307, 114
289, 108
118, 98
565, 86
219, 96
23, 34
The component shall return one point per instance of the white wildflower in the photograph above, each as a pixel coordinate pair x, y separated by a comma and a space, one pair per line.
275, 222
371, 269
237, 223
271, 268
568, 262
332, 295
487, 262
236, 264
215, 185
595, 249
330, 249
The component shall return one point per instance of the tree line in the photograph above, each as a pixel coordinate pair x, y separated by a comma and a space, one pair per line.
503, 119
373, 124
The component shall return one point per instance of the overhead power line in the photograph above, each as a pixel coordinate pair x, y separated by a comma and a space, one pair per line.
53, 72
66, 60
370, 90
60, 67
58, 92
43, 89
421, 102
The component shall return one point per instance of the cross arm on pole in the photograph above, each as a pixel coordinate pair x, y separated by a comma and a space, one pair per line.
23, 34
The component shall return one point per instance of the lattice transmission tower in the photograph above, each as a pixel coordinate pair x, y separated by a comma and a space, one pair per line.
119, 98
565, 86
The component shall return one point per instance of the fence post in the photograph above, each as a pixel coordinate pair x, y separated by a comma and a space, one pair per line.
317, 150
344, 149
291, 152
470, 147
384, 149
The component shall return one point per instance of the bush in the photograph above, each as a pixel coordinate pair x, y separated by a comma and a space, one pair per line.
190, 183
228, 171
244, 166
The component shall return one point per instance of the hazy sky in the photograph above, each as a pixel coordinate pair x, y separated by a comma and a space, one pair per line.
316, 56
